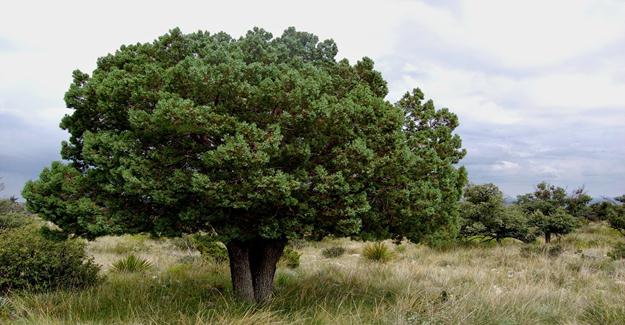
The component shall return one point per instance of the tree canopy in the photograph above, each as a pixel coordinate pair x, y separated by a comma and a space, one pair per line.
259, 139
485, 214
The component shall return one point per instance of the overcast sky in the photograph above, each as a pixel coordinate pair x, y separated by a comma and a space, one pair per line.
539, 86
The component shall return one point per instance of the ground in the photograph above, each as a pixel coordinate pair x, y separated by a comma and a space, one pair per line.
480, 283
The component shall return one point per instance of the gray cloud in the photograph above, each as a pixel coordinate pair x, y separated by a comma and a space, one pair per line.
538, 99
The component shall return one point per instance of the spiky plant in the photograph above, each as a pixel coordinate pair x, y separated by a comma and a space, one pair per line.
131, 264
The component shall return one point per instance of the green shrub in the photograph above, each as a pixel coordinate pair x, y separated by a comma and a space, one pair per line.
131, 264
10, 206
207, 245
31, 261
333, 252
290, 258
617, 252
210, 248
13, 220
377, 252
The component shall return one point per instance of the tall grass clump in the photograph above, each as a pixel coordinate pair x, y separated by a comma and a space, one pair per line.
377, 252
132, 264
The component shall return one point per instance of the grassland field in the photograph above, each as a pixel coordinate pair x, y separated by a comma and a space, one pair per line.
477, 283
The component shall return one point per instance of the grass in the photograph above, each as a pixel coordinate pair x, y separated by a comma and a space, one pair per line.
476, 284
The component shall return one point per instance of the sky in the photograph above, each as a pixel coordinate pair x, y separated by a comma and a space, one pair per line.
539, 86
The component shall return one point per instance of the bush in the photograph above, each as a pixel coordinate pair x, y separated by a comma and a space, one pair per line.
377, 252
10, 206
290, 258
132, 264
13, 220
31, 261
333, 252
617, 252
207, 245
210, 248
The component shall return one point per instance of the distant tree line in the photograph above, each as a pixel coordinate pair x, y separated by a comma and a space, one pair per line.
548, 211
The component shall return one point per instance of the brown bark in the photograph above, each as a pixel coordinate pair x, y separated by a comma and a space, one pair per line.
240, 271
263, 260
253, 267
547, 237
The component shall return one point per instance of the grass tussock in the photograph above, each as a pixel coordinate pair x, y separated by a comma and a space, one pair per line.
488, 284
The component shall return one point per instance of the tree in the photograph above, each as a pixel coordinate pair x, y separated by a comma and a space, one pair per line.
258, 139
616, 214
557, 223
577, 203
484, 214
546, 198
547, 207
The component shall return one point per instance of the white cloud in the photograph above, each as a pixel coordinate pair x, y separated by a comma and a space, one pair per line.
505, 166
539, 86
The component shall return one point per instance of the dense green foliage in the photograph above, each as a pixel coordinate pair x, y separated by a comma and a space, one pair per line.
261, 139
557, 223
546, 198
31, 261
578, 204
210, 248
484, 214
256, 137
13, 220
549, 208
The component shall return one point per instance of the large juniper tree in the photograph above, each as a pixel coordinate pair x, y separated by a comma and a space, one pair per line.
259, 139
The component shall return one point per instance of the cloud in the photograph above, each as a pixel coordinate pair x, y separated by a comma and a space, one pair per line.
505, 166
539, 86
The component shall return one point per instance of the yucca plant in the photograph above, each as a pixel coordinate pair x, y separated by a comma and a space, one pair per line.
132, 264
377, 252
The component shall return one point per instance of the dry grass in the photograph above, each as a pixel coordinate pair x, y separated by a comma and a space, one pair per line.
479, 284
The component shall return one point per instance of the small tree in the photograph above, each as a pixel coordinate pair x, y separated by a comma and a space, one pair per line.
557, 223
601, 211
577, 204
260, 139
616, 215
483, 213
546, 198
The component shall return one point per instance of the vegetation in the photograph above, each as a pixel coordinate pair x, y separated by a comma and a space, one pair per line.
472, 284
485, 215
260, 139
31, 261
333, 252
131, 264
616, 215
290, 258
557, 223
377, 252
549, 207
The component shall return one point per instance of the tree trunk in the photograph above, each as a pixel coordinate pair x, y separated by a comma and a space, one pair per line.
266, 255
240, 271
547, 237
253, 267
